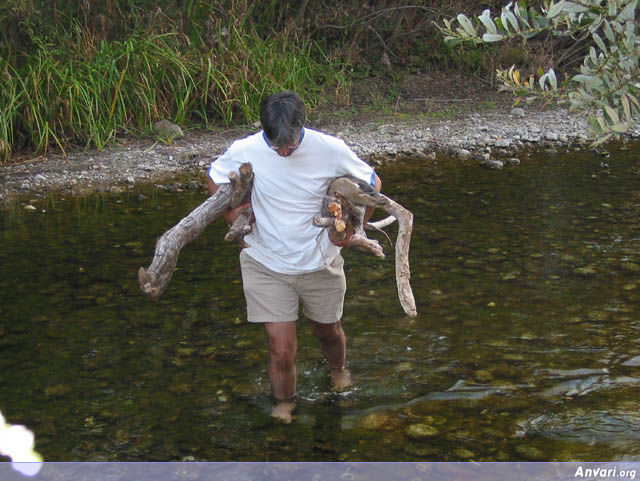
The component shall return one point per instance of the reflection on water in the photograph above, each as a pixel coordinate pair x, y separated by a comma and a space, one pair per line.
526, 346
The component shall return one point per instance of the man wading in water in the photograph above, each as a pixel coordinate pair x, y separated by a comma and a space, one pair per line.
289, 261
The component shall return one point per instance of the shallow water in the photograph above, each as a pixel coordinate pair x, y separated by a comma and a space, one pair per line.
526, 346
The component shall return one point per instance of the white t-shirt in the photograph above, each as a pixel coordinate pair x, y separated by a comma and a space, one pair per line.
287, 193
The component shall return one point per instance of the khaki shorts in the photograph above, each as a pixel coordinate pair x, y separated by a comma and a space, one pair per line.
275, 297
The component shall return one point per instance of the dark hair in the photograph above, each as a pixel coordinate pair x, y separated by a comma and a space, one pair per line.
282, 116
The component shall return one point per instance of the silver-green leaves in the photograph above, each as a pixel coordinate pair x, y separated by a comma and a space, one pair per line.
606, 85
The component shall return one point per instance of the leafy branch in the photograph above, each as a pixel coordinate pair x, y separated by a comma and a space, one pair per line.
607, 84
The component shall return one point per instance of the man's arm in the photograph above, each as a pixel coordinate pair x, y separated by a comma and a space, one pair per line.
369, 210
367, 215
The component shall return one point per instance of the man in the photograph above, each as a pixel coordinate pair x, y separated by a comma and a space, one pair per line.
289, 261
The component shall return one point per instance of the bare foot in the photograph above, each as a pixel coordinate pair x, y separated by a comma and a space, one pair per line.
283, 411
340, 379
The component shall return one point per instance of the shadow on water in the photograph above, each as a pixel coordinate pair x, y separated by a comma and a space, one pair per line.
526, 346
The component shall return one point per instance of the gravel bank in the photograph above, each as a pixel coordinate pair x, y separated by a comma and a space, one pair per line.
486, 137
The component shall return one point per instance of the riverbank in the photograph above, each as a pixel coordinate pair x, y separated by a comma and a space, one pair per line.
479, 125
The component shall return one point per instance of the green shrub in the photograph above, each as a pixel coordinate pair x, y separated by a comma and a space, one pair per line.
74, 89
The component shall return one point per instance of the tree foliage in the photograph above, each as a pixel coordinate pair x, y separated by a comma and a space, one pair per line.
607, 84
83, 72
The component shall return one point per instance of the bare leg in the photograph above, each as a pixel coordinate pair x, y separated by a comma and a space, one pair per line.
333, 344
281, 368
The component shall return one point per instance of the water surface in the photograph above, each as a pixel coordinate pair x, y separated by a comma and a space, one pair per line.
526, 346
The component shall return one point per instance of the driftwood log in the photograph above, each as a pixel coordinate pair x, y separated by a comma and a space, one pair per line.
342, 211
154, 280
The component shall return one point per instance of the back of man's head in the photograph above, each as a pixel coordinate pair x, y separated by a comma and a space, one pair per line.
282, 116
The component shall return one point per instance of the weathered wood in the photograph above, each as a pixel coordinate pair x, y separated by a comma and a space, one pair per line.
240, 228
380, 224
364, 243
241, 194
353, 196
338, 224
154, 280
403, 241
242, 185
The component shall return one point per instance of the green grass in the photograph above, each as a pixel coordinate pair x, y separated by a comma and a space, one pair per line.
81, 74
76, 90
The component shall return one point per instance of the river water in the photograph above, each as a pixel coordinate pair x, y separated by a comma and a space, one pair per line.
526, 346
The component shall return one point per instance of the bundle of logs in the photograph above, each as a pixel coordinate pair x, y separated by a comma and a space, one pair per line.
342, 212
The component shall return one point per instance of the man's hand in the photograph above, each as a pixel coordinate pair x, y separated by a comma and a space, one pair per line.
230, 215
345, 242
367, 215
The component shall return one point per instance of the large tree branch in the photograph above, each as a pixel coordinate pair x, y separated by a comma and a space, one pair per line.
403, 272
352, 198
154, 280
353, 195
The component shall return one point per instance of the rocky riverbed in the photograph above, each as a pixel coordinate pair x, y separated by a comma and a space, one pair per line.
492, 139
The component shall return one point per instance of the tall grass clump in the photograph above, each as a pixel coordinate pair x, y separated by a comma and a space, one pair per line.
239, 72
76, 89
11, 101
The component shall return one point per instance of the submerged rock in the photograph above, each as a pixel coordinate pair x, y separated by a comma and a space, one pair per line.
580, 387
180, 388
122, 436
403, 367
57, 390
531, 453
617, 424
585, 271
633, 362
419, 432
574, 320
630, 266
483, 375
464, 453
495, 433
186, 351
374, 420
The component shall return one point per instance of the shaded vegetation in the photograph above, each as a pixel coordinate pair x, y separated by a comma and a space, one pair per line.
603, 40
81, 73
